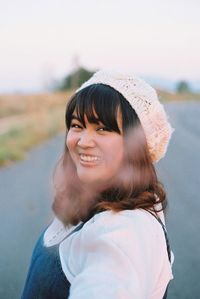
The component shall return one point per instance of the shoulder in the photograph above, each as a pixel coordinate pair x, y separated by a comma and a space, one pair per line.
134, 222
129, 225
132, 236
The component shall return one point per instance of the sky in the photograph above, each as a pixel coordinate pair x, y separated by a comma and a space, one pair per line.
42, 41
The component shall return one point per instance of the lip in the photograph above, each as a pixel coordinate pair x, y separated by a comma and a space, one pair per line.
89, 163
88, 154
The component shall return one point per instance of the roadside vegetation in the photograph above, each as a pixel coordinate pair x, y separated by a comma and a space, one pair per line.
27, 120
166, 96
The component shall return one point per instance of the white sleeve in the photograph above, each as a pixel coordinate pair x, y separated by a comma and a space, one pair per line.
112, 261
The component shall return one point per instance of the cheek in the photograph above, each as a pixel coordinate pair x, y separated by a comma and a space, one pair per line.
118, 155
71, 142
114, 152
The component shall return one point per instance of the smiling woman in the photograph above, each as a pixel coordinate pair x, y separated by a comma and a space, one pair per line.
89, 148
108, 239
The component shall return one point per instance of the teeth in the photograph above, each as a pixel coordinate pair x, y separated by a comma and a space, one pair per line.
89, 158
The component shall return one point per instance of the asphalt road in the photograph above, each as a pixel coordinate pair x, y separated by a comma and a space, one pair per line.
180, 172
25, 202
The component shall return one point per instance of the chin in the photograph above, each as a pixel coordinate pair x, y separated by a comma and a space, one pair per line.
89, 177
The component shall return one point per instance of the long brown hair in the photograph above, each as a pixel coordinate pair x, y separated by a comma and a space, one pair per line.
135, 186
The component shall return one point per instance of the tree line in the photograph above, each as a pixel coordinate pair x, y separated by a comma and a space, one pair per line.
80, 75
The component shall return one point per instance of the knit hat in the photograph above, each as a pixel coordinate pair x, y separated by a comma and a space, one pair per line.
144, 100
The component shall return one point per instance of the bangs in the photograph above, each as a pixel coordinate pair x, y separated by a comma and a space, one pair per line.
99, 103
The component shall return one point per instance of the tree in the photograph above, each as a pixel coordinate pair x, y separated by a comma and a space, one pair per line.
182, 87
75, 79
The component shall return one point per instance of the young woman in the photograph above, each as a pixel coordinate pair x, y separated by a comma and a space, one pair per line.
108, 238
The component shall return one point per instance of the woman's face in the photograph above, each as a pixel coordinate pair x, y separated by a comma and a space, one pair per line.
96, 152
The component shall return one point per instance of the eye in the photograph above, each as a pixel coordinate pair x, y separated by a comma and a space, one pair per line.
75, 125
102, 129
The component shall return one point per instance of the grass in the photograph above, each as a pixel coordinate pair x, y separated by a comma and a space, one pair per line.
17, 141
44, 119
166, 96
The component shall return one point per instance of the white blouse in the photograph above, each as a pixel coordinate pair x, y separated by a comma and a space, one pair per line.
114, 255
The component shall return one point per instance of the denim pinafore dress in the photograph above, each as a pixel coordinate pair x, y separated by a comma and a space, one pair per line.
46, 279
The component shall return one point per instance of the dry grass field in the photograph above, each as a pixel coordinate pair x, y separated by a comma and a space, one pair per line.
26, 120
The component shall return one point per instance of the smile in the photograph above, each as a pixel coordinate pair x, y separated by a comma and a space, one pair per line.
87, 158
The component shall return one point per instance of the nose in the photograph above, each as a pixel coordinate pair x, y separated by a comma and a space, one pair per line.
86, 140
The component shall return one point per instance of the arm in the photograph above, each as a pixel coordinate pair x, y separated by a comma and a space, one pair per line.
107, 273
110, 263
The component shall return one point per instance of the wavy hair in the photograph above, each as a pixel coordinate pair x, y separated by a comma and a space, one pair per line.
135, 186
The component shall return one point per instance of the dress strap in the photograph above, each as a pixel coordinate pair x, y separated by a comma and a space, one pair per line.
75, 229
165, 233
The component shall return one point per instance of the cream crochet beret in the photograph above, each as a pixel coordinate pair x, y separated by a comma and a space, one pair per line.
144, 100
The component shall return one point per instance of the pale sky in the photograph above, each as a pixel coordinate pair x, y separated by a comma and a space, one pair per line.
39, 39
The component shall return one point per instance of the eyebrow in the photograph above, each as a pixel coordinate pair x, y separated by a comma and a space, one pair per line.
77, 118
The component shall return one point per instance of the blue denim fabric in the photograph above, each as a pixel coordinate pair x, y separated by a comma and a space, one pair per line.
46, 279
